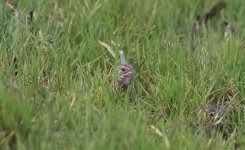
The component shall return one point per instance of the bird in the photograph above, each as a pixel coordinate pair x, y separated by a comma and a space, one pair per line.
125, 72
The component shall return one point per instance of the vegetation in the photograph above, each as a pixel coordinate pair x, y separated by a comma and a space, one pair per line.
58, 84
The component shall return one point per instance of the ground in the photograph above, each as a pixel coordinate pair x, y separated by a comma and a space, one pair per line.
58, 87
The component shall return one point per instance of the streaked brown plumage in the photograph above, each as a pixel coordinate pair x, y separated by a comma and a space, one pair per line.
125, 72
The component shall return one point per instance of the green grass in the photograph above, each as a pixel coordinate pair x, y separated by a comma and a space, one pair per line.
57, 87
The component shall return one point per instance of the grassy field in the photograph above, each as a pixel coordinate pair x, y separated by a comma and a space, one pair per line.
58, 85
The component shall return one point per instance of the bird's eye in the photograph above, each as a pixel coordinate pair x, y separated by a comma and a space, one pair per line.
123, 69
